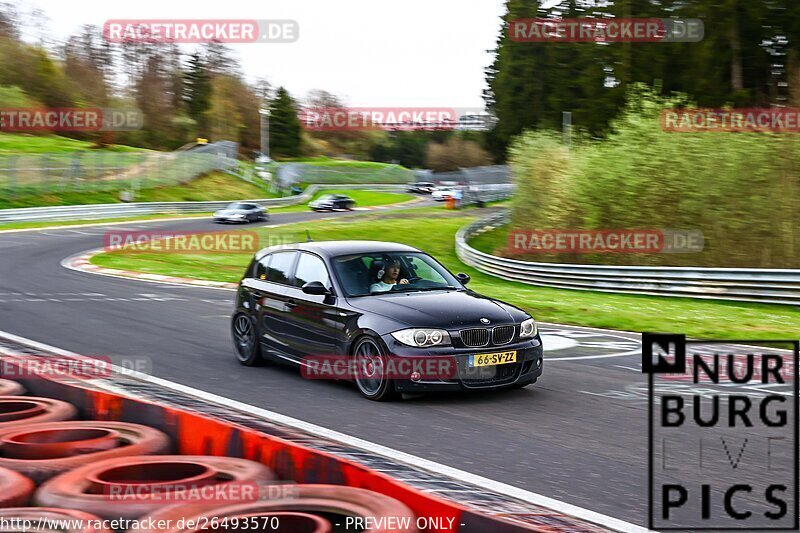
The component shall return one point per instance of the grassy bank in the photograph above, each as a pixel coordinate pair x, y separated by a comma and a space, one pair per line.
37, 144
696, 318
212, 186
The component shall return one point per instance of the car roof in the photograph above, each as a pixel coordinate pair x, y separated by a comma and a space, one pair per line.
337, 248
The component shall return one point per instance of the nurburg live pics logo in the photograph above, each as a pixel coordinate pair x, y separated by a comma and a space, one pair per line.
722, 451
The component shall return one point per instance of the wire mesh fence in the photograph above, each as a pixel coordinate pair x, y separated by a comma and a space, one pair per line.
293, 173
100, 170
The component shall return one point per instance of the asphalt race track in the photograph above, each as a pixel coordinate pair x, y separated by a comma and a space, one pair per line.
579, 435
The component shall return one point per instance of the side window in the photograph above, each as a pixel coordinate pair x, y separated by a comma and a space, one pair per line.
425, 271
280, 267
310, 268
261, 268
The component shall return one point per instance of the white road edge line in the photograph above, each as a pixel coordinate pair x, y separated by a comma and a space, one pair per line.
412, 460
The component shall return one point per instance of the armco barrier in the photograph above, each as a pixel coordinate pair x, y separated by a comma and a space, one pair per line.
102, 211
780, 286
198, 426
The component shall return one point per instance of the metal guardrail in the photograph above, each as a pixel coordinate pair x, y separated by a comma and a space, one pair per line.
100, 211
779, 286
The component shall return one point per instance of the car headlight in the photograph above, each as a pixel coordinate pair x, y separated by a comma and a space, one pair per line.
422, 338
238, 215
528, 328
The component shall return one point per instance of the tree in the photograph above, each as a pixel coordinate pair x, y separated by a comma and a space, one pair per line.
197, 92
88, 64
456, 153
284, 126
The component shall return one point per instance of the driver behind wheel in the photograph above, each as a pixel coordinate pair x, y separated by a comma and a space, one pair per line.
387, 277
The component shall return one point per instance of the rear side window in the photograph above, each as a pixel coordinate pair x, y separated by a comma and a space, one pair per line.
310, 268
261, 268
280, 267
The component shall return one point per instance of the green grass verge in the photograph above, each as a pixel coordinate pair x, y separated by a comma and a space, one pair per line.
363, 198
25, 143
491, 241
696, 318
212, 186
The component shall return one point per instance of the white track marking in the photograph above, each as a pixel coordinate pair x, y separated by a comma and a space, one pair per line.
557, 342
585, 357
396, 455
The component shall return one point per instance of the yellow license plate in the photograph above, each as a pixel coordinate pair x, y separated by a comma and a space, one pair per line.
492, 359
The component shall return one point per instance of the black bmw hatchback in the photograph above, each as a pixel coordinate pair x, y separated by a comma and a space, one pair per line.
387, 316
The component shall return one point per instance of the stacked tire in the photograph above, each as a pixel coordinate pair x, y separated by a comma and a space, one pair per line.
90, 471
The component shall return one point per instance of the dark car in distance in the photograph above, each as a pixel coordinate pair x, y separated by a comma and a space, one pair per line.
422, 187
300, 301
331, 202
241, 212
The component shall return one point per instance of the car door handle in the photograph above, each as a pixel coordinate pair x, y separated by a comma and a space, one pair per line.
291, 304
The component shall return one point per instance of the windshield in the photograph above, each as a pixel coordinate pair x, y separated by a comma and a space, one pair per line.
237, 205
380, 273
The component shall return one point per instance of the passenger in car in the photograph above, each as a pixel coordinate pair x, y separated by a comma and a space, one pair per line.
387, 277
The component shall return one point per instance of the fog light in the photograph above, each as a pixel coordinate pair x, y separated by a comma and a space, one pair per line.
415, 376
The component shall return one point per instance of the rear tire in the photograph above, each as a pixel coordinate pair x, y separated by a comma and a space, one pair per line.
371, 361
245, 341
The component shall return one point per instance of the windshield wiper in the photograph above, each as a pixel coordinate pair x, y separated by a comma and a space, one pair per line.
411, 289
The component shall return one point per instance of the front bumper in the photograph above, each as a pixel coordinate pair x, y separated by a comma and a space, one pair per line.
221, 220
527, 369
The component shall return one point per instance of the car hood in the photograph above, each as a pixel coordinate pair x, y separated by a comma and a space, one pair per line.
230, 212
439, 309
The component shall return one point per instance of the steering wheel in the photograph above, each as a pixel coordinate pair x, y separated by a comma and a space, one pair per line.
413, 279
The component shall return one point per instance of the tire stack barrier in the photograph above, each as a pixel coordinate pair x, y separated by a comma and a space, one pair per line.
27, 410
78, 463
41, 451
15, 489
11, 388
140, 482
88, 470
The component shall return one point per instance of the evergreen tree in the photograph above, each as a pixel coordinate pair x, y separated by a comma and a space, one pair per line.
284, 126
197, 92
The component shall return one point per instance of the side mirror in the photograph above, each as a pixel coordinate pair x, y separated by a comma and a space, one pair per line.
463, 278
316, 288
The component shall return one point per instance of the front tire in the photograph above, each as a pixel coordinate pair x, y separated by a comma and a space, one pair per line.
370, 364
245, 341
